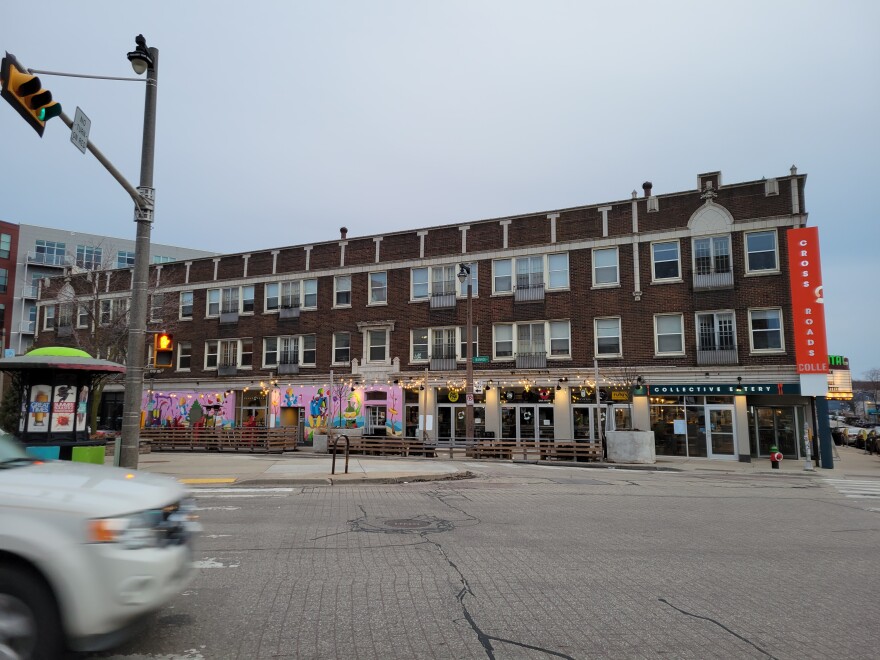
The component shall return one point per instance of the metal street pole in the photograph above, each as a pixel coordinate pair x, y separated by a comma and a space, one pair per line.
469, 391
134, 359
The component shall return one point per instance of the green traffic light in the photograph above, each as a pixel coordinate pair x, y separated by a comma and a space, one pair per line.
50, 111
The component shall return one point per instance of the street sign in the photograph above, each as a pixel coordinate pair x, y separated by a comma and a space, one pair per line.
469, 399
480, 359
79, 132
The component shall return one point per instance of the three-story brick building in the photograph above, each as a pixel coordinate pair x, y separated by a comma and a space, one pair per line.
670, 313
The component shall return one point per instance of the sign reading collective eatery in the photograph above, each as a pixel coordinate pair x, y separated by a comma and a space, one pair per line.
723, 389
808, 305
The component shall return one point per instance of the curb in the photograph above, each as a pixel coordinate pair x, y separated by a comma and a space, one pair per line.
334, 480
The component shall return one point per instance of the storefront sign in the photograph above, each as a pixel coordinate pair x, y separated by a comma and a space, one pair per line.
838, 361
808, 305
724, 389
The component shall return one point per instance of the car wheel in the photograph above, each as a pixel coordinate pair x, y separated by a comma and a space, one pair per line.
30, 628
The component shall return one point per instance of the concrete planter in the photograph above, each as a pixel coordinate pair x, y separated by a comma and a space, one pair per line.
631, 447
320, 443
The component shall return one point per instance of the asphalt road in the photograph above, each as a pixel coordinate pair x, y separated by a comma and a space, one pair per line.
533, 562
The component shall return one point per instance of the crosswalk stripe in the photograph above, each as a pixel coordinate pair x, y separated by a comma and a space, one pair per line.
856, 489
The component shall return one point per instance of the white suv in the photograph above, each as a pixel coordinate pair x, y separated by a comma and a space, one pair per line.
86, 552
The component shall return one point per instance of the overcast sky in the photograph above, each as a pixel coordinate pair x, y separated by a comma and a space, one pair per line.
279, 122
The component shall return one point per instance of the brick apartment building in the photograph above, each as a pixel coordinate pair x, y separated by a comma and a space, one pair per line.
669, 312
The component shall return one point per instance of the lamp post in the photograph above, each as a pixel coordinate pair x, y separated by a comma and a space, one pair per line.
143, 60
464, 273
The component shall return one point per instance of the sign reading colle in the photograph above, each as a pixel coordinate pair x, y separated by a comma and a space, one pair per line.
807, 302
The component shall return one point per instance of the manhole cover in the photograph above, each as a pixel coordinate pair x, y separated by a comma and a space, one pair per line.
416, 525
407, 523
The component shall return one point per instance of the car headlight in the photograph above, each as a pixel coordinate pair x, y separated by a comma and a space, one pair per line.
172, 525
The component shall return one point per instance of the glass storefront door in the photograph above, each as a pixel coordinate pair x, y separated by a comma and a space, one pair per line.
452, 423
720, 432
527, 422
775, 426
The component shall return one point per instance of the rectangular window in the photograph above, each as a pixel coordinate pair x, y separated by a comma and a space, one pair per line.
82, 316
228, 352
761, 254
88, 257
378, 288
120, 309
50, 252
186, 304
105, 314
503, 340
247, 353
184, 355
443, 280
270, 351
310, 293
65, 315
159, 259
229, 300
443, 343
271, 290
530, 339
665, 259
5, 245
213, 302
669, 334
377, 345
462, 348
419, 284
560, 339
608, 337
502, 276
529, 272
309, 353
247, 299
341, 347
766, 329
49, 318
288, 350
211, 354
472, 278
557, 267
712, 255
4, 280
716, 331
605, 267
419, 344
157, 306
124, 259
342, 286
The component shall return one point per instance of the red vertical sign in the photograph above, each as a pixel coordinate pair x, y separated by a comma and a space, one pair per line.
807, 300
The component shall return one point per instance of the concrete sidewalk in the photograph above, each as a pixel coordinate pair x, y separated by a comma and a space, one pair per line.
306, 467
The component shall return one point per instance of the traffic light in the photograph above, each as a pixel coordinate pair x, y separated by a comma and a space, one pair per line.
163, 350
26, 94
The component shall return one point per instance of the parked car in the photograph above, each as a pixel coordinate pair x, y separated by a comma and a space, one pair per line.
86, 552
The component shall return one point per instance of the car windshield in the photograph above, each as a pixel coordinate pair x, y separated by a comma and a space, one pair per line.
12, 453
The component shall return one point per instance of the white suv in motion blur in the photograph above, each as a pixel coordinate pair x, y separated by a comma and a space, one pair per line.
86, 552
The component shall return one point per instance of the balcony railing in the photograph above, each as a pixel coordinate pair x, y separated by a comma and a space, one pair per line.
707, 281
288, 312
28, 291
726, 354
288, 366
227, 369
229, 313
28, 327
44, 259
443, 357
537, 360
64, 330
528, 291
443, 295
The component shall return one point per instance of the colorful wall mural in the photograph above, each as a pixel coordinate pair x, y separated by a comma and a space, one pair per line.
337, 406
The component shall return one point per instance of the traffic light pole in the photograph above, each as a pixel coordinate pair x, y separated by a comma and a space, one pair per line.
134, 359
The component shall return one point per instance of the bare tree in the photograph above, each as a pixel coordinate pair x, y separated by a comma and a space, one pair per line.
94, 317
872, 376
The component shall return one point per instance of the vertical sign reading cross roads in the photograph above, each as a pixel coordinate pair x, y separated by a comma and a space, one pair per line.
79, 132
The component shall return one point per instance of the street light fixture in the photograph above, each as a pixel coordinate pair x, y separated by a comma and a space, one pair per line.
464, 274
143, 60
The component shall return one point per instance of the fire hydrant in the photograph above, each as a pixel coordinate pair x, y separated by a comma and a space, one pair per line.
775, 457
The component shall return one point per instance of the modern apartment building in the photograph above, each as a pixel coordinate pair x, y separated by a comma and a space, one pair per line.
44, 252
680, 313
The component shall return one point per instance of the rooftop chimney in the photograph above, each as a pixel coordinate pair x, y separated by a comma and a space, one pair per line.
343, 232
646, 186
